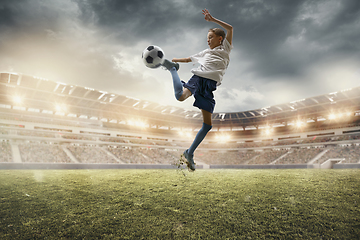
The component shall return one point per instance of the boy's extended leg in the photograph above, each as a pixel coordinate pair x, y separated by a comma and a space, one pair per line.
180, 93
178, 87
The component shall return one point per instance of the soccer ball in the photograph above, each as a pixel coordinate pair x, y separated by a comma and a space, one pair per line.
153, 56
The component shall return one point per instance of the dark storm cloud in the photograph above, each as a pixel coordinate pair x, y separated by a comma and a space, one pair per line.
336, 31
331, 32
133, 20
24, 16
6, 16
278, 44
261, 27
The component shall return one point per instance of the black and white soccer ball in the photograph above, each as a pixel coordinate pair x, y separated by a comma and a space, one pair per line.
153, 56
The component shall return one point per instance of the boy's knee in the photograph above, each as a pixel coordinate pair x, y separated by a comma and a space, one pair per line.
209, 123
181, 98
179, 95
184, 95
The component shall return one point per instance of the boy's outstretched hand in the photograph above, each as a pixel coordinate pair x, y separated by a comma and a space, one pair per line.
228, 27
207, 15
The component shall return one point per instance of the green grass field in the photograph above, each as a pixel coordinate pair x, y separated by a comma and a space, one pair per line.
165, 204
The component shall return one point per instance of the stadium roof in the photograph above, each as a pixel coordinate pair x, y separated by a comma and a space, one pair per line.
45, 95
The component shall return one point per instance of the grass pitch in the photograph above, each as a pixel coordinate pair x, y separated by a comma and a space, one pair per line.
165, 204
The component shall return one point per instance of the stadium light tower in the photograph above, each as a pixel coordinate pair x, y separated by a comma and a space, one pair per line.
137, 123
60, 108
188, 134
223, 138
268, 131
332, 116
17, 99
299, 123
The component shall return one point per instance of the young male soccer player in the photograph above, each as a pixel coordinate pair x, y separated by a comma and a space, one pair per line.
213, 63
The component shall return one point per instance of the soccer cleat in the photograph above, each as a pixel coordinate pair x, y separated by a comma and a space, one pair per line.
169, 65
190, 161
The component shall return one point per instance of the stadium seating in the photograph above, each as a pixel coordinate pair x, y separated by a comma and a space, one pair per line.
150, 151
225, 157
40, 152
5, 152
98, 127
299, 156
90, 154
350, 153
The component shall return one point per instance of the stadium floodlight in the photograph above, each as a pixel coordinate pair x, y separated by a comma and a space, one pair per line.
299, 123
223, 138
140, 124
185, 133
332, 116
60, 108
137, 123
268, 131
17, 99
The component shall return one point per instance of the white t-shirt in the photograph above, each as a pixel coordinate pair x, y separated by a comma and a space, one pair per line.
213, 62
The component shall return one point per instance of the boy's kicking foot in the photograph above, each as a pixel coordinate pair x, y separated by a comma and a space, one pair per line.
169, 65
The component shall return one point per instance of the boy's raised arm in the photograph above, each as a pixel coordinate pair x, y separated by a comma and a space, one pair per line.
226, 26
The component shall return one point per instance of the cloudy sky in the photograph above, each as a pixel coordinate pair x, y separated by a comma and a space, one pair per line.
283, 50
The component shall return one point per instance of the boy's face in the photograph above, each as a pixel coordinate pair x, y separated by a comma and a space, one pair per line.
213, 40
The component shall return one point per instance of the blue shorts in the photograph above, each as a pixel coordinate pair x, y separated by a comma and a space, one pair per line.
202, 89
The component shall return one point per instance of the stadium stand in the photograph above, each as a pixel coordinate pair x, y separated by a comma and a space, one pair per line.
51, 122
40, 152
300, 155
226, 157
5, 153
90, 154
351, 153
268, 157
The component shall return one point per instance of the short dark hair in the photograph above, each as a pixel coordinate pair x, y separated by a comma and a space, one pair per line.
218, 32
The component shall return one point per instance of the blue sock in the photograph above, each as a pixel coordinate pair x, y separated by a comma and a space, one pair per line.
199, 137
178, 87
